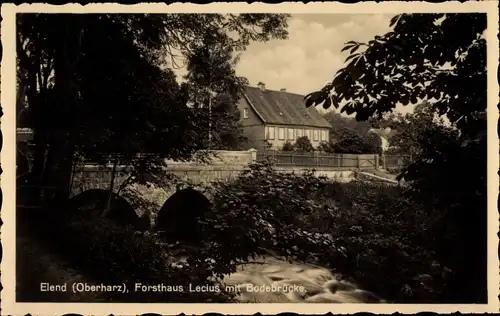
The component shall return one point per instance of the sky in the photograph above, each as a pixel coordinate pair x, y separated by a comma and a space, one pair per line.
311, 55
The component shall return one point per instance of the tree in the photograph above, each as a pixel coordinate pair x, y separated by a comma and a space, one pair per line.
338, 122
57, 65
350, 136
417, 131
227, 130
348, 142
136, 122
211, 64
212, 85
303, 145
440, 57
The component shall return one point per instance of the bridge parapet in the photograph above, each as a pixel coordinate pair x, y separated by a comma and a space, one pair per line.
226, 166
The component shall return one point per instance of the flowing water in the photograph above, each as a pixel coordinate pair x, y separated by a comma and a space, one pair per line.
272, 280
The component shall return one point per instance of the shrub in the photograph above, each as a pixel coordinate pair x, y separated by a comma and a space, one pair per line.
326, 147
372, 233
112, 254
384, 235
303, 145
287, 146
264, 210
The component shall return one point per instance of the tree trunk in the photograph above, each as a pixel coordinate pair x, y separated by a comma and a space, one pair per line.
40, 136
73, 172
62, 142
111, 186
37, 107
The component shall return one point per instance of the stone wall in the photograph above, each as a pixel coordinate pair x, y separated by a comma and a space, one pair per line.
227, 165
223, 157
96, 177
330, 173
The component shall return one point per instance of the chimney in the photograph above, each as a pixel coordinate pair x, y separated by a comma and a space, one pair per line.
283, 89
262, 86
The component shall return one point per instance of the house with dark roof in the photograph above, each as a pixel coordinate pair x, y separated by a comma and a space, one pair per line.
280, 116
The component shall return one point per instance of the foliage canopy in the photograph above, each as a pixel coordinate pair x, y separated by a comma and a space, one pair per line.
440, 58
100, 84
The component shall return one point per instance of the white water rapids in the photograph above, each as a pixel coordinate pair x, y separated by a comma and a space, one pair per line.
271, 280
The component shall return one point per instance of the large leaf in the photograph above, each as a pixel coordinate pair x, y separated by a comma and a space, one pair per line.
314, 98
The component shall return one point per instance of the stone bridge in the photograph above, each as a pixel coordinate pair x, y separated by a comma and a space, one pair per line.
226, 165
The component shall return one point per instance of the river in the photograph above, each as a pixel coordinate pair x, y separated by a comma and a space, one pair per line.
272, 280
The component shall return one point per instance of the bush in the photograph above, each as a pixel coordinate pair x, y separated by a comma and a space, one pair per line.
325, 147
303, 145
384, 234
109, 253
264, 210
287, 146
372, 233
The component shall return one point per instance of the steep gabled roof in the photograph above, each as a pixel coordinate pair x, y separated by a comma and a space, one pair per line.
284, 108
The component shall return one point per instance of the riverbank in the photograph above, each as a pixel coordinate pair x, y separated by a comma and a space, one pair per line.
37, 264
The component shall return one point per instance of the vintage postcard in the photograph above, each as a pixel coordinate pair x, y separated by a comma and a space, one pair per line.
241, 158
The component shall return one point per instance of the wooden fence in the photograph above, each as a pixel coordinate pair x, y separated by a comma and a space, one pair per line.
394, 162
337, 161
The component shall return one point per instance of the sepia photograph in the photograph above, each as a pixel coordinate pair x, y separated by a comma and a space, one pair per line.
238, 157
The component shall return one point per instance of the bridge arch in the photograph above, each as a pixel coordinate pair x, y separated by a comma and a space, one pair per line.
93, 202
179, 217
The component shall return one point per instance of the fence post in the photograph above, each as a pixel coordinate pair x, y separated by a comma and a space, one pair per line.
384, 162
376, 161
359, 161
253, 154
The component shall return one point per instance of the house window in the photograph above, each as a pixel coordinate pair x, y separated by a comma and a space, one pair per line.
298, 132
315, 135
245, 113
290, 133
281, 133
324, 135
270, 132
